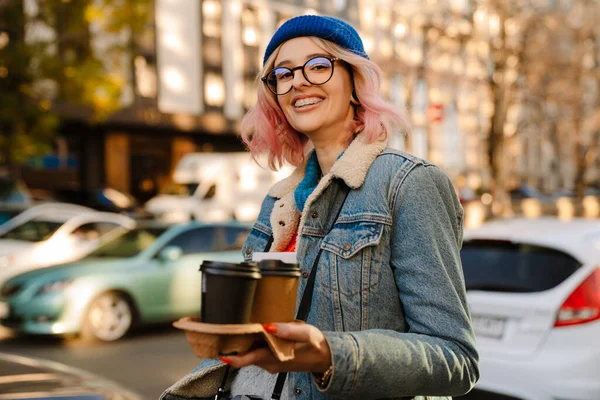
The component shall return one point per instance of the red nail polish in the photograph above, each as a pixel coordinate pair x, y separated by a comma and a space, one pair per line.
271, 328
225, 360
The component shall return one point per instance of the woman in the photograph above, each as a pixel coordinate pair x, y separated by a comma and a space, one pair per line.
389, 317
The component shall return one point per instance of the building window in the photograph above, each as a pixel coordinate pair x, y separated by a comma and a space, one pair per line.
211, 13
214, 89
339, 5
250, 31
211, 52
145, 77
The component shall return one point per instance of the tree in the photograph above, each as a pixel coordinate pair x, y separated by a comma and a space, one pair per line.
26, 122
585, 67
508, 28
563, 81
57, 59
547, 66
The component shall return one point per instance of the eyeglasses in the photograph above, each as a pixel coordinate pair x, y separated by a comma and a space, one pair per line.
317, 71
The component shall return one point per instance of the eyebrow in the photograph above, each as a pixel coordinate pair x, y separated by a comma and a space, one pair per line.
308, 57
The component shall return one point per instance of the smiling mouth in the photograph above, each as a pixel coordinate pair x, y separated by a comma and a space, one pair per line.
307, 102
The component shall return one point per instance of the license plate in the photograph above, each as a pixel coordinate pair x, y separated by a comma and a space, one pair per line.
489, 327
4, 310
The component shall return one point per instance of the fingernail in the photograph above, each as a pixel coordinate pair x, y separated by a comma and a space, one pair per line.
271, 328
225, 360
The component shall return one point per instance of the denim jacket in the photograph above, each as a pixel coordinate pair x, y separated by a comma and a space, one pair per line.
389, 294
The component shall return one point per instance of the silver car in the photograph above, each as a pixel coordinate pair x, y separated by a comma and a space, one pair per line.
55, 233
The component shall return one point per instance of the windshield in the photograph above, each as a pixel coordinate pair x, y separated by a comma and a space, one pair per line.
33, 231
128, 245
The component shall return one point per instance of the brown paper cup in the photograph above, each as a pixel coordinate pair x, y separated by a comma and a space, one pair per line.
275, 295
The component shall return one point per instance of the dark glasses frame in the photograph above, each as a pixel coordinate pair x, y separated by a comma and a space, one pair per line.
332, 60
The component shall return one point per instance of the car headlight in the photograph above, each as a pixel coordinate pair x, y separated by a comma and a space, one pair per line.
56, 286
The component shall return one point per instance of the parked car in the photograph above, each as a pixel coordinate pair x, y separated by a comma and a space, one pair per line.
54, 233
149, 274
14, 198
27, 378
9, 211
103, 199
528, 201
533, 288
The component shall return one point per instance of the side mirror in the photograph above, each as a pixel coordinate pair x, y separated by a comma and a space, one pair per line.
170, 253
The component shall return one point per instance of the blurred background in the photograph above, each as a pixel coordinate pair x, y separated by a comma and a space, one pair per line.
119, 120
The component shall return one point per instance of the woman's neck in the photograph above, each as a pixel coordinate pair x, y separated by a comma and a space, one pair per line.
329, 142
327, 154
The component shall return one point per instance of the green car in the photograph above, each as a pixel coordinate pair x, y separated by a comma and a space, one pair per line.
147, 275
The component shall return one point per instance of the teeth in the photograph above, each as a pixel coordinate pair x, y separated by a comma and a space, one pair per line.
308, 101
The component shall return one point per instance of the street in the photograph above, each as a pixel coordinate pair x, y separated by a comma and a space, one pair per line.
146, 362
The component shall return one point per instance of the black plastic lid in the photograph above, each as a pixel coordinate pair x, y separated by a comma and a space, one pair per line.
232, 273
227, 266
234, 270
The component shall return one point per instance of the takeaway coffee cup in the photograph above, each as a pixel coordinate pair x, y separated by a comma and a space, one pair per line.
275, 297
227, 292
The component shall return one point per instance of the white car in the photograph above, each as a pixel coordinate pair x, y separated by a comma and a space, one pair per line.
55, 233
533, 287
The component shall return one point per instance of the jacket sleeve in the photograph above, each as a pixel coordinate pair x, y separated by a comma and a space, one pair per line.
437, 354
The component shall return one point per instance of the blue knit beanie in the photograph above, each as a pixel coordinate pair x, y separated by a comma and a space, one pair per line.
329, 28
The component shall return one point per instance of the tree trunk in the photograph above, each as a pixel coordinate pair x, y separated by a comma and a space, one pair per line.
588, 155
496, 152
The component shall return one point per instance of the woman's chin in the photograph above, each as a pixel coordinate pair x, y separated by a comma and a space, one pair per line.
306, 126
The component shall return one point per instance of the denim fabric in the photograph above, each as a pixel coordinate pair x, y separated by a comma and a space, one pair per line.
389, 294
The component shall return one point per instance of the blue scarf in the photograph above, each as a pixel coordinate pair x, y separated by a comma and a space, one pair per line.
312, 175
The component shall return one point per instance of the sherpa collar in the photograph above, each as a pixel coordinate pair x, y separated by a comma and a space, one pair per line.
352, 167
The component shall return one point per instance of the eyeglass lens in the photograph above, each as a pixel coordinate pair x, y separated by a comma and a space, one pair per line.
317, 71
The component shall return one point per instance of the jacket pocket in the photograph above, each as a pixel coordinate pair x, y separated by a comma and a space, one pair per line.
258, 239
353, 255
346, 240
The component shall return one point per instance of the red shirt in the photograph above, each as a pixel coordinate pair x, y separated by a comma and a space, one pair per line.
291, 247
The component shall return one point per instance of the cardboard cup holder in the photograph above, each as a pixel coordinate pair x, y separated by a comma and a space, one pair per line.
264, 292
214, 340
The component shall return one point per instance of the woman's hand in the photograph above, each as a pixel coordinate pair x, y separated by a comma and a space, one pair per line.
311, 351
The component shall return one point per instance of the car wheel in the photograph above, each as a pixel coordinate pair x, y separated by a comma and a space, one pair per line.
109, 317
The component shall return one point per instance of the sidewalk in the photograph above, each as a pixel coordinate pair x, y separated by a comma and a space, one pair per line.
30, 378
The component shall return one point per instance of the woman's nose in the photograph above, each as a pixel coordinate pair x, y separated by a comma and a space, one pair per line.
299, 79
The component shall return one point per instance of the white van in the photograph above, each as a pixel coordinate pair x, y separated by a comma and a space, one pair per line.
214, 187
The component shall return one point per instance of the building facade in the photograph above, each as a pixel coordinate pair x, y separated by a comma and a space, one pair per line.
192, 74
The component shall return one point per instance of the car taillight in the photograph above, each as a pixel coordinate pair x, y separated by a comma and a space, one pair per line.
583, 305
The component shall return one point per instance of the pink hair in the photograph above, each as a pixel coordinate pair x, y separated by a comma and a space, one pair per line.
265, 129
